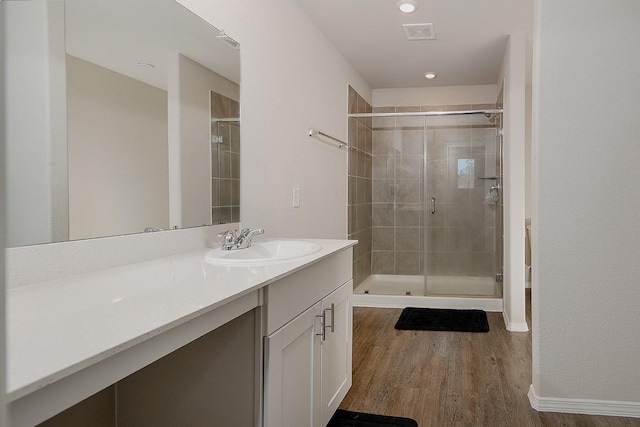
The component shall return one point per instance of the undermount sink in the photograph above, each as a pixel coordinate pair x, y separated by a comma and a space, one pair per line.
267, 251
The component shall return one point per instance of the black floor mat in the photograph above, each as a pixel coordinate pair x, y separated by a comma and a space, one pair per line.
358, 419
439, 319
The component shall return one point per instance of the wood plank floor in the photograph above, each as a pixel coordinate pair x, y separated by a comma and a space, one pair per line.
449, 378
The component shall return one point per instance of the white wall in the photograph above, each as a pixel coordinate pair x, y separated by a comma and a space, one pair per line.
37, 132
190, 114
117, 151
586, 205
3, 362
513, 77
292, 79
434, 96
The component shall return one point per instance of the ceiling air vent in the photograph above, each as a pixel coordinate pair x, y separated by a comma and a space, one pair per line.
419, 31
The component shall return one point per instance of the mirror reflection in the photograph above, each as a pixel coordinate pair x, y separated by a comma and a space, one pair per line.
122, 115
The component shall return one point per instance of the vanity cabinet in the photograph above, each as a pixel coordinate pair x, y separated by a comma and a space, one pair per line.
307, 369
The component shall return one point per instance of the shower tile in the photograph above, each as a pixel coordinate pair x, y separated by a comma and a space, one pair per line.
368, 166
234, 108
409, 215
353, 101
367, 191
353, 161
361, 164
482, 240
382, 214
235, 192
235, 138
407, 262
220, 107
360, 136
382, 190
477, 212
432, 108
224, 164
457, 216
410, 122
408, 239
351, 218
482, 106
457, 107
450, 136
215, 170
352, 190
225, 192
484, 138
409, 191
361, 186
367, 238
368, 142
383, 238
379, 167
359, 249
490, 214
383, 141
410, 167
382, 262
412, 142
435, 239
215, 192
437, 219
363, 217
235, 165
436, 263
352, 131
457, 239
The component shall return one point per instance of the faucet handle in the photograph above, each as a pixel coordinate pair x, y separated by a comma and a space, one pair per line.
251, 231
229, 235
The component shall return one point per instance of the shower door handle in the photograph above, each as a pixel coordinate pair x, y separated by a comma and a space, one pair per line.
433, 206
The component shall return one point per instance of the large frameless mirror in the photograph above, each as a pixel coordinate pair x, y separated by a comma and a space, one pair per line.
117, 112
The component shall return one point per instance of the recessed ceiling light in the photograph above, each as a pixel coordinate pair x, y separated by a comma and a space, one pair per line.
430, 75
407, 6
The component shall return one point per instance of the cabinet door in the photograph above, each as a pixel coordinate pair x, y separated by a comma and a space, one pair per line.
336, 349
292, 372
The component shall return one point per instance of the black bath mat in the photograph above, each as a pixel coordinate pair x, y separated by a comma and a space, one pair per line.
440, 319
358, 419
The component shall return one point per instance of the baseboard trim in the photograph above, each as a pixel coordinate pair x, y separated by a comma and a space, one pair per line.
514, 326
584, 406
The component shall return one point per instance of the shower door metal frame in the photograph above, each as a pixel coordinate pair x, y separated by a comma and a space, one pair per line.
425, 114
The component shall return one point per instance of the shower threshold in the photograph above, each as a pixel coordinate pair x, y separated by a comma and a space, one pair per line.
399, 291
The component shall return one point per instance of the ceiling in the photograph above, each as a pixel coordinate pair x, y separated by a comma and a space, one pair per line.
471, 37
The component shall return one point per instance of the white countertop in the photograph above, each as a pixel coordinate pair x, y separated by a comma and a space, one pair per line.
59, 327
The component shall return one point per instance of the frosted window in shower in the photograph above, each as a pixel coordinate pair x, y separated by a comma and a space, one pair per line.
466, 173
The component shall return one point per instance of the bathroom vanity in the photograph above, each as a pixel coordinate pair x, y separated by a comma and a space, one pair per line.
181, 341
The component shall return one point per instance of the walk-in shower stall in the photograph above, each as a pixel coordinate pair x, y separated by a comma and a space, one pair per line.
425, 204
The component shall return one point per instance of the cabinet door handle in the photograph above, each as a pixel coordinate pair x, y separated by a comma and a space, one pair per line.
333, 317
323, 329
433, 206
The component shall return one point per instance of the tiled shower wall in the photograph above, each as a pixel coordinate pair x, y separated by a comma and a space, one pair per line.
359, 199
225, 161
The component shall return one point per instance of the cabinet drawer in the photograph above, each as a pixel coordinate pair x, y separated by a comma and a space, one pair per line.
292, 295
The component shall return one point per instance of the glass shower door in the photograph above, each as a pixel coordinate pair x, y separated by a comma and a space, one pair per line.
460, 220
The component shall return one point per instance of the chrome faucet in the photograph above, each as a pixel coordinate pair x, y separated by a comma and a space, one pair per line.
239, 239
